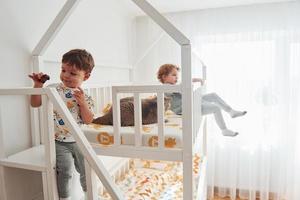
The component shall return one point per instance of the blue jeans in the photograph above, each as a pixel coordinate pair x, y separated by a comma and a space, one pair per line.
67, 154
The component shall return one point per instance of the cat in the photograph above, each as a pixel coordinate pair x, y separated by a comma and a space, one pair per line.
149, 112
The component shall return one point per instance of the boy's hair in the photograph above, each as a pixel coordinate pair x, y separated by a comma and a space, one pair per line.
80, 58
165, 70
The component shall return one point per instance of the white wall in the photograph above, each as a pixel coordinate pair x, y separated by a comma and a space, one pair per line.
102, 27
105, 31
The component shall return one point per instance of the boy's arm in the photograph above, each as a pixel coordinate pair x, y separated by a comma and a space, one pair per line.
87, 115
36, 100
198, 80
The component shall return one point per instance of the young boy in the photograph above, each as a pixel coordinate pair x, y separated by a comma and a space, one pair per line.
211, 103
77, 65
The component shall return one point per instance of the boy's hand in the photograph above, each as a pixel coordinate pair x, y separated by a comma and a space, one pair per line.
198, 80
79, 96
39, 79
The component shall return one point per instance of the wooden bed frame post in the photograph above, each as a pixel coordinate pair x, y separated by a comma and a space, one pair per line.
35, 113
2, 155
37, 57
187, 122
186, 89
49, 149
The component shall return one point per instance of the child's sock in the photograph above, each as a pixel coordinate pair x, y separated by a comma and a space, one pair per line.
227, 132
235, 113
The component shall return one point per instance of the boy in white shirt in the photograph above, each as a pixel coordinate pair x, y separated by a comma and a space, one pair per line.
77, 65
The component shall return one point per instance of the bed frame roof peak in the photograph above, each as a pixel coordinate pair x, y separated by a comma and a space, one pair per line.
70, 6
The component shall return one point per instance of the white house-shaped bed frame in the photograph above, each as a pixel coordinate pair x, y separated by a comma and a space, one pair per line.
42, 121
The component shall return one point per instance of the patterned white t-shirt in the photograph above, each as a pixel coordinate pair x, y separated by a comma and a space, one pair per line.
62, 133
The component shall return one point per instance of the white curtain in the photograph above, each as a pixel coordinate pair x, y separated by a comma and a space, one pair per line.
258, 72
252, 55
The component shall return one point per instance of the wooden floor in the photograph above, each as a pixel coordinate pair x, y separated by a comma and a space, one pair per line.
225, 198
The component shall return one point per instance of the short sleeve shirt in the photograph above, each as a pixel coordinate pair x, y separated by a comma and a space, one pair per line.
62, 133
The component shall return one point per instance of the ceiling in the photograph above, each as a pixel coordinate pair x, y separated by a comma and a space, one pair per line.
185, 5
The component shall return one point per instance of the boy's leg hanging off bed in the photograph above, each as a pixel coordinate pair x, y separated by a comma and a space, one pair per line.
210, 108
214, 98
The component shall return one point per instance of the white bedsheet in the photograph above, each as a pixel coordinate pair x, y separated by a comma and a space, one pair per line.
103, 134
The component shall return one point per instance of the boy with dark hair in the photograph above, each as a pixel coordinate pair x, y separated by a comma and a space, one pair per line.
77, 65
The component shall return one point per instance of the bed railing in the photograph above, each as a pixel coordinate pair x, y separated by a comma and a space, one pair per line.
161, 152
139, 92
93, 165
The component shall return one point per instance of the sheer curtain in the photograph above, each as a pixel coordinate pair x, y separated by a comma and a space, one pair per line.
252, 55
258, 72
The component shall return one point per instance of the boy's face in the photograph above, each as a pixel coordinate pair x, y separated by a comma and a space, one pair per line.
71, 76
171, 78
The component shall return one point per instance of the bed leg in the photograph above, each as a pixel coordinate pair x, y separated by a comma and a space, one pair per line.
91, 182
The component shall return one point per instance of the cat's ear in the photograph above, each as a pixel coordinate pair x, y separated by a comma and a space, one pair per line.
167, 98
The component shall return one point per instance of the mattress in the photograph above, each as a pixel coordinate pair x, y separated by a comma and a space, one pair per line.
103, 134
153, 179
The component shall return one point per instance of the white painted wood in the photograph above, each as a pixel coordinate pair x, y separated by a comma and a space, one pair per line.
2, 147
55, 27
204, 148
116, 117
147, 88
31, 159
187, 122
34, 126
37, 64
2, 156
35, 113
197, 143
162, 22
49, 148
143, 152
43, 119
84, 145
150, 153
91, 182
137, 119
160, 120
116, 166
21, 91
45, 186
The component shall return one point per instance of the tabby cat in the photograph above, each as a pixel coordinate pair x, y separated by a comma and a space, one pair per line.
149, 112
